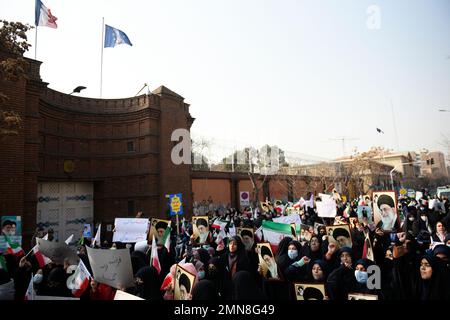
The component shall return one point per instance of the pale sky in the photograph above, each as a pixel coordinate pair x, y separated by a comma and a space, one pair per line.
287, 72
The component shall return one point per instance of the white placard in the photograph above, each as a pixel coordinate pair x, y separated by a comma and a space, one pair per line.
292, 218
36, 297
419, 195
111, 267
130, 229
324, 196
122, 295
327, 208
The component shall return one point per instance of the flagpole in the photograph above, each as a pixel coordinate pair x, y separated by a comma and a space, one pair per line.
35, 44
101, 63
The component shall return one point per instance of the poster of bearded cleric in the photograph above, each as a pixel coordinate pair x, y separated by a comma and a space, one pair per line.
12, 229
200, 230
385, 210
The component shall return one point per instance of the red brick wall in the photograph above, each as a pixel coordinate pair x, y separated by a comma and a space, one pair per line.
93, 133
218, 189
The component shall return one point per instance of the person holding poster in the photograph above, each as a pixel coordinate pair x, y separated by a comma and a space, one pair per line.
385, 210
201, 230
232, 261
184, 283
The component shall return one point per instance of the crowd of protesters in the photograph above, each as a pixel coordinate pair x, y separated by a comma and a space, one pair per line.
413, 260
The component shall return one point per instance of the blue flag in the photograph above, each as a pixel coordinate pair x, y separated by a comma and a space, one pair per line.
114, 37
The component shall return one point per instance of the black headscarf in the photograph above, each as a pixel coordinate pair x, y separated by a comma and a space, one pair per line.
435, 287
138, 261
313, 255
323, 266
149, 289
283, 259
245, 287
205, 290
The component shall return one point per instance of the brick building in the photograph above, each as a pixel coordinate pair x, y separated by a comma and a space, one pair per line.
82, 160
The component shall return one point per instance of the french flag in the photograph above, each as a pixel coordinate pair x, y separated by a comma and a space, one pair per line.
43, 16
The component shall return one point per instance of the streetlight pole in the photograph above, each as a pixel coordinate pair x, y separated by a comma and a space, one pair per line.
395, 167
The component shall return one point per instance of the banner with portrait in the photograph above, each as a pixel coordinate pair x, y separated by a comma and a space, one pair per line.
309, 291
247, 236
267, 263
157, 228
340, 235
200, 229
385, 209
184, 283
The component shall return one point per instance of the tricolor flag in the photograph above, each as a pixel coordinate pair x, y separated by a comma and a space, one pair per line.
13, 248
367, 249
79, 281
40, 258
43, 16
274, 232
154, 256
310, 202
114, 37
69, 239
166, 237
96, 240
29, 295
299, 204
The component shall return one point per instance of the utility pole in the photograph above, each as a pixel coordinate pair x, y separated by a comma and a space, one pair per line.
395, 127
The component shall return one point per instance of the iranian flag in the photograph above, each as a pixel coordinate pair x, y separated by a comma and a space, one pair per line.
29, 295
274, 232
40, 258
166, 237
13, 248
219, 224
154, 256
79, 281
299, 204
96, 240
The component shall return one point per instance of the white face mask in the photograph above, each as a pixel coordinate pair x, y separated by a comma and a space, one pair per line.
424, 218
411, 218
292, 254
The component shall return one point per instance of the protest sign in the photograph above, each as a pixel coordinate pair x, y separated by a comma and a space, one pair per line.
267, 263
130, 229
111, 267
365, 214
292, 218
176, 204
184, 283
12, 228
362, 296
57, 251
385, 209
309, 291
56, 298
157, 229
326, 208
122, 295
340, 235
200, 229
87, 231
